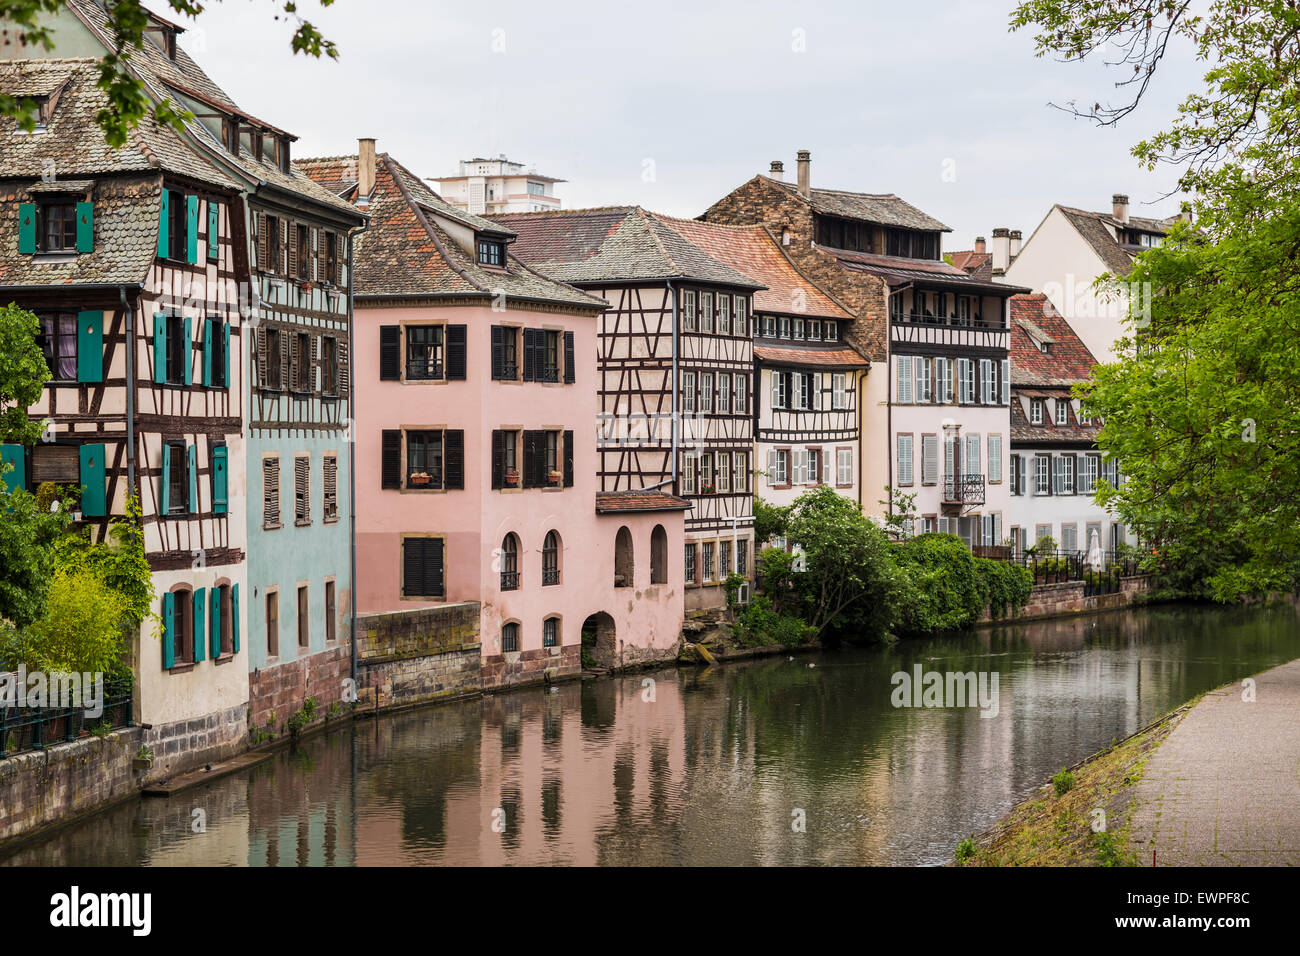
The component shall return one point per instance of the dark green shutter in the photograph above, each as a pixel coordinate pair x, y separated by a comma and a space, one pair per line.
93, 502
225, 355
234, 618
391, 458
90, 346
192, 229
214, 623
165, 486
27, 228
164, 220
200, 602
169, 630
187, 353
214, 235
568, 358
390, 358
85, 227
207, 351
568, 459
16, 457
220, 500
456, 352
454, 457
160, 347
191, 469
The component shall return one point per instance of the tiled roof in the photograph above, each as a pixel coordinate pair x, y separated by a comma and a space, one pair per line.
885, 209
406, 252
126, 227
612, 244
900, 271
805, 355
1093, 227
608, 502
754, 251
978, 264
1067, 360
1022, 432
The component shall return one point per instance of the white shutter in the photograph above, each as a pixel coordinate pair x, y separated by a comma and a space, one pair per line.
904, 364
929, 458
771, 467
961, 380
798, 467
1006, 382
995, 458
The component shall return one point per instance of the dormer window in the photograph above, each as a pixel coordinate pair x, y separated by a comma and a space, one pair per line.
282, 153
491, 252
57, 227
230, 135
1044, 347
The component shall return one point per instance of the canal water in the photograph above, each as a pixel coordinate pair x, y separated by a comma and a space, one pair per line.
778, 761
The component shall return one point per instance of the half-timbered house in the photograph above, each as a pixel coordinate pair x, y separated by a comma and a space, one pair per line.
675, 364
475, 446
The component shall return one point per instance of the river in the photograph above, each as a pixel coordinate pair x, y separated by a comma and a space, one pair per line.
801, 760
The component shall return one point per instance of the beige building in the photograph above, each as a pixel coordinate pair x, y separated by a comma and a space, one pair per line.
486, 187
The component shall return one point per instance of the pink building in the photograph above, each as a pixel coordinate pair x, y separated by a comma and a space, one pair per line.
475, 430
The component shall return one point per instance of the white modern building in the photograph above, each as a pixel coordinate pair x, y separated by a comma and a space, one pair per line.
486, 187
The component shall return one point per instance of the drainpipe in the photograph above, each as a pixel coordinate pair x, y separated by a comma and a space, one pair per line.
130, 392
352, 453
676, 415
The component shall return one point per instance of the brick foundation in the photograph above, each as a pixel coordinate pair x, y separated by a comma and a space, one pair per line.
1061, 600
275, 692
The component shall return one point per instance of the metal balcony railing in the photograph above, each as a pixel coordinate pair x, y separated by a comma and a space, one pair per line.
963, 489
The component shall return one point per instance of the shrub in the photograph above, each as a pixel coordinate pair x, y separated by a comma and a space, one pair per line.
761, 624
82, 627
1063, 782
965, 850
944, 593
1005, 586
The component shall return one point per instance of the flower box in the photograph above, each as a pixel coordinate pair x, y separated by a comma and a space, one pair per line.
512, 478
419, 479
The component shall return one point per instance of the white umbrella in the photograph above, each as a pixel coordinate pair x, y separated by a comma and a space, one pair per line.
1095, 557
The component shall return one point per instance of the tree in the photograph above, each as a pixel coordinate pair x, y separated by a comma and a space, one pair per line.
900, 512
23, 374
1202, 410
27, 563
769, 521
128, 102
1236, 137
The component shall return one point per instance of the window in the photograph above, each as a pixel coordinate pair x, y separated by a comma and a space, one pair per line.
805, 397
551, 559
176, 482
724, 315
57, 227
624, 559
331, 622
178, 627
1062, 412
510, 638
688, 310
552, 446
659, 555
785, 327
274, 361
740, 472
904, 459
178, 350
986, 382
688, 472
742, 557
706, 393
844, 467
1063, 475
688, 392
1017, 481
424, 459
814, 330
491, 252
422, 568
830, 331
1006, 382
923, 372
690, 562
944, 376
303, 250
1036, 411
1089, 466
424, 352
739, 394
1070, 536
330, 488
226, 617
966, 374
780, 389
778, 466
272, 623
839, 391
1042, 474
270, 245
329, 257
509, 562
301, 490
329, 365
741, 325
903, 393
304, 629
549, 352
972, 454
270, 493
58, 340
505, 353
929, 459
551, 632
724, 472
706, 473
706, 312
813, 467
995, 458
724, 393
708, 573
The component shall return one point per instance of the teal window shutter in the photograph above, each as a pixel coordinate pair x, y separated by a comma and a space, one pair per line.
225, 354
234, 618
187, 352
191, 468
27, 228
90, 346
93, 503
169, 630
164, 222
219, 480
165, 488
200, 602
214, 235
16, 457
85, 227
214, 622
192, 229
160, 347
207, 351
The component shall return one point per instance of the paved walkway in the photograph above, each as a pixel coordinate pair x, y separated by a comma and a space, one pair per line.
1224, 788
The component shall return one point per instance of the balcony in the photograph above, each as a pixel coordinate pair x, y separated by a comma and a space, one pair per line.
911, 329
964, 490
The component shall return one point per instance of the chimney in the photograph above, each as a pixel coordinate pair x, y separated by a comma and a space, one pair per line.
365, 168
805, 184
1120, 203
980, 246
1015, 246
1001, 250
777, 171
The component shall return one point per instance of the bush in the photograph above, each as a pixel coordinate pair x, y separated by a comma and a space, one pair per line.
82, 627
1005, 586
965, 850
1063, 782
761, 624
944, 592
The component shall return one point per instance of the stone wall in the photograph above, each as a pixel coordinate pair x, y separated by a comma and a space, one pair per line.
185, 744
1061, 600
43, 787
419, 656
523, 667
275, 692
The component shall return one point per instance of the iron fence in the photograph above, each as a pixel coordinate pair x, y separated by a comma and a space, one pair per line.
1057, 567
35, 728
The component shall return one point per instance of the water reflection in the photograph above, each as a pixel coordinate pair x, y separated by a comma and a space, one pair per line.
712, 767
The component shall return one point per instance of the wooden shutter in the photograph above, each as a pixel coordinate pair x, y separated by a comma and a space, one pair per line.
343, 367
456, 348
160, 347
337, 246
294, 358
200, 599
293, 252
498, 352
207, 352
192, 230
453, 450
259, 239
214, 231
90, 346
280, 244
234, 618
192, 476
261, 357
270, 492
187, 352
220, 480
164, 486
301, 490
568, 358
391, 459
214, 622
530, 355
225, 354
27, 228
164, 225
390, 349
498, 458
568, 459
93, 503
315, 237
314, 364
534, 459
169, 630
85, 227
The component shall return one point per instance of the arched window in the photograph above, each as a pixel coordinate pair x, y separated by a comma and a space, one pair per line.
623, 559
659, 555
509, 562
551, 559
551, 632
510, 637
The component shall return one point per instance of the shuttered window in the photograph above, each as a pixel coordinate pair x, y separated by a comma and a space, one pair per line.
271, 492
995, 458
301, 490
688, 310
220, 479
390, 352
391, 458
329, 365
456, 352
904, 389
330, 488
422, 568
1042, 475
904, 459
923, 370
505, 468
569, 369
929, 459
505, 353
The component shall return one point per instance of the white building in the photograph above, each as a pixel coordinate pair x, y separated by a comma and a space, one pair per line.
486, 187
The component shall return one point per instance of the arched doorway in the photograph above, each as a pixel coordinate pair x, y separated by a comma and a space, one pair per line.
599, 647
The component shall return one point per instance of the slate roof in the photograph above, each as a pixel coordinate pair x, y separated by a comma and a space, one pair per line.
885, 209
1092, 227
755, 252
613, 244
809, 355
1067, 360
901, 271
621, 502
1049, 433
405, 251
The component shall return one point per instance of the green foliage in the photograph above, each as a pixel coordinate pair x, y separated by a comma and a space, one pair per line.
27, 561
120, 562
945, 591
1004, 586
144, 753
770, 521
1111, 850
760, 623
81, 630
23, 372
900, 510
128, 102
1063, 782
301, 717
965, 850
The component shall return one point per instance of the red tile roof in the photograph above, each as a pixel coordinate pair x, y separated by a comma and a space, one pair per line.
843, 357
978, 264
608, 502
1067, 360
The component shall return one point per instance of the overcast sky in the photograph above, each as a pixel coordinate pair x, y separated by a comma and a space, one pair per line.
673, 104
